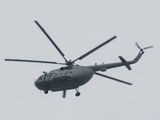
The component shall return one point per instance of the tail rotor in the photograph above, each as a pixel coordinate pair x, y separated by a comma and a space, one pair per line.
142, 49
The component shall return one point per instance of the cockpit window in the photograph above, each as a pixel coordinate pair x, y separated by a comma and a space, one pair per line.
40, 78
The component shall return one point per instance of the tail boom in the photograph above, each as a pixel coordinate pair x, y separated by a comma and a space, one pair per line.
118, 64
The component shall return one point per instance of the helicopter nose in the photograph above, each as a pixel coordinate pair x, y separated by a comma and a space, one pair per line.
36, 83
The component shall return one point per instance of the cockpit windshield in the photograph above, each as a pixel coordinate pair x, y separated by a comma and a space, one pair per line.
41, 77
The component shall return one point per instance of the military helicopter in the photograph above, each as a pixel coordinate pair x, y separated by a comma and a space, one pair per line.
71, 76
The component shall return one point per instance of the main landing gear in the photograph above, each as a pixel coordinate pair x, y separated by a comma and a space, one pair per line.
46, 91
77, 92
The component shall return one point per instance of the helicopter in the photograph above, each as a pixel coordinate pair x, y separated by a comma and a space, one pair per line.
72, 76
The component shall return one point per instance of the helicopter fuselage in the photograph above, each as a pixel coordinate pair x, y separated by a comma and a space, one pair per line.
64, 78
72, 76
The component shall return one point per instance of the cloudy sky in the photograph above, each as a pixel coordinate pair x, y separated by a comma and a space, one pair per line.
77, 27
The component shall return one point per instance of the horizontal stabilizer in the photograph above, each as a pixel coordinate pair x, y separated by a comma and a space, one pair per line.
125, 63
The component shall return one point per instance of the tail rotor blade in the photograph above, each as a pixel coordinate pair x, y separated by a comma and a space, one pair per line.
138, 45
147, 47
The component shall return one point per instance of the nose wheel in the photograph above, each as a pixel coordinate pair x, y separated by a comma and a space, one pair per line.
77, 92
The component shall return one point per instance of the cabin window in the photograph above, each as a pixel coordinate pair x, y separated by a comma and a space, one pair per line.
64, 68
53, 75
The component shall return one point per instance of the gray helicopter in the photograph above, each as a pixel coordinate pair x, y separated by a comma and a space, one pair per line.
71, 76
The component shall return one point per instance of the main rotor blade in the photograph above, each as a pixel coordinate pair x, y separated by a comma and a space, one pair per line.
94, 49
35, 61
113, 78
51, 40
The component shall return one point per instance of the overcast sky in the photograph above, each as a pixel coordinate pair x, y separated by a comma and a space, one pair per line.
76, 27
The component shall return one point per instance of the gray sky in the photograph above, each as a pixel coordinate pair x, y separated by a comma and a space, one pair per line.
77, 27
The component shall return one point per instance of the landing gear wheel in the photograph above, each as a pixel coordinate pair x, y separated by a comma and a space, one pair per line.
78, 94
46, 91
